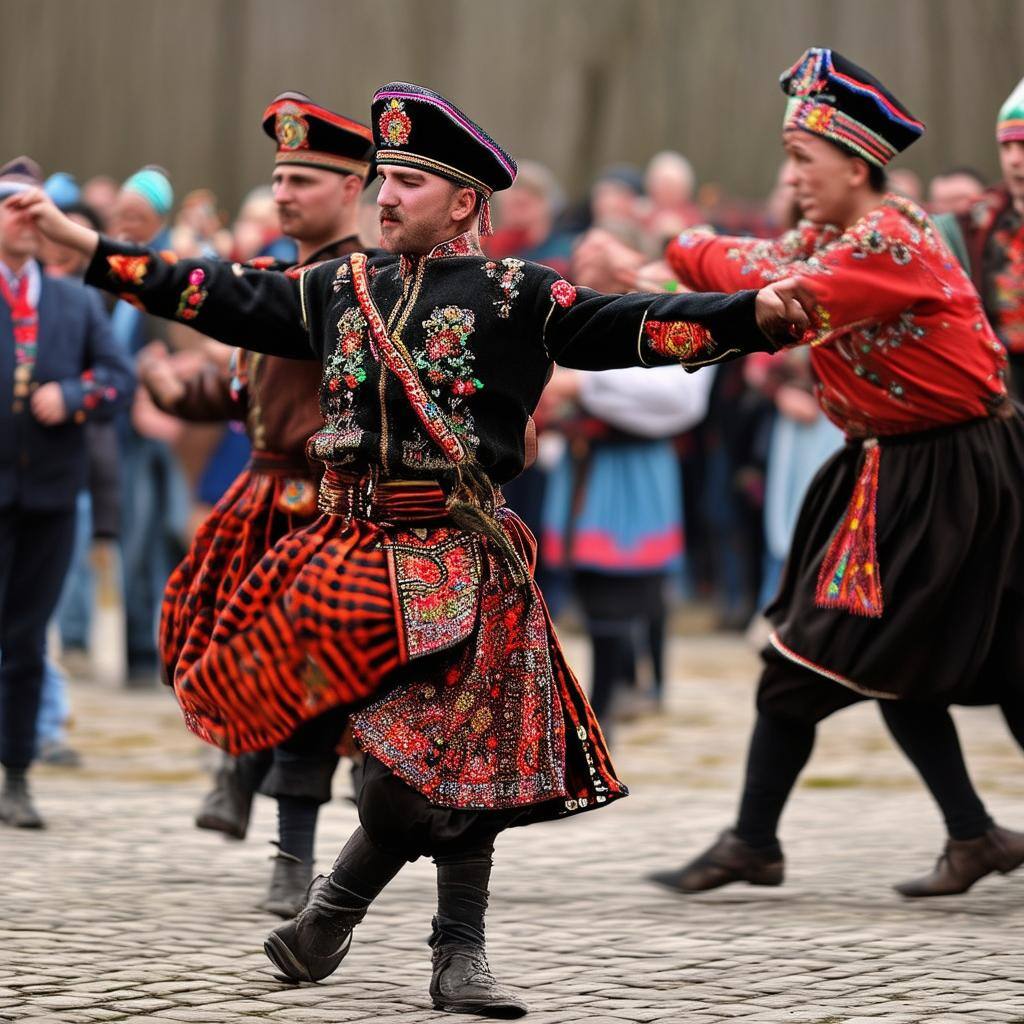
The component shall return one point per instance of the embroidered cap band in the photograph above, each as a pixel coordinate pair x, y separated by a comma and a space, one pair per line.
313, 136
832, 97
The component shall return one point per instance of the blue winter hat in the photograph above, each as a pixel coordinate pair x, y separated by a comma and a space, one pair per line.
62, 189
154, 186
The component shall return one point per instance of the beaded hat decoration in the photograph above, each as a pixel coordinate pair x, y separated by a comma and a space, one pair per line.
416, 127
313, 136
1010, 123
832, 97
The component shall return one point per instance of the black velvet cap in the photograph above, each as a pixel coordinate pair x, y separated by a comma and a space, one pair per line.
313, 136
416, 127
833, 97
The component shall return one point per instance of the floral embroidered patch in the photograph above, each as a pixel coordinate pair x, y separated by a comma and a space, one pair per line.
344, 367
677, 339
563, 293
509, 276
395, 124
129, 269
193, 297
291, 129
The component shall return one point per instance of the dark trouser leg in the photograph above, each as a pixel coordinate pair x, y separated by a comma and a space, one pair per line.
928, 737
462, 891
300, 779
611, 648
779, 750
791, 700
35, 551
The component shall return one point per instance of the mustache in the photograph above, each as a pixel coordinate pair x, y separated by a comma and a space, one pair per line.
389, 214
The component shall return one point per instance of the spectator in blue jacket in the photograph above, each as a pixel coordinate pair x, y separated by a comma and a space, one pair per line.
59, 368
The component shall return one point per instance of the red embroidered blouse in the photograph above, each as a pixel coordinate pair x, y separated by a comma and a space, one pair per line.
899, 339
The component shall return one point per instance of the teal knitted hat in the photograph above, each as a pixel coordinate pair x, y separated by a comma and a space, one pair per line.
153, 185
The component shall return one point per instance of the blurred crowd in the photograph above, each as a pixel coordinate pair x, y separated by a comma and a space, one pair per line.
644, 494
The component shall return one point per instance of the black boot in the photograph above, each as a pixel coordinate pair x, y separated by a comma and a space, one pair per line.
728, 859
289, 883
313, 945
227, 807
16, 807
462, 981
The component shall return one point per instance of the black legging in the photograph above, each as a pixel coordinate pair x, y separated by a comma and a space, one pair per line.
780, 747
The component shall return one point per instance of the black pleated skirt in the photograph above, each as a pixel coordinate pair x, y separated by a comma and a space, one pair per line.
950, 558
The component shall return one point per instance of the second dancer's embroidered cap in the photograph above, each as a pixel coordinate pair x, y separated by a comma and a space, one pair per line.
313, 136
1010, 122
419, 128
833, 97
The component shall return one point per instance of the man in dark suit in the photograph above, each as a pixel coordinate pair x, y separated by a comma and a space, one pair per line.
59, 367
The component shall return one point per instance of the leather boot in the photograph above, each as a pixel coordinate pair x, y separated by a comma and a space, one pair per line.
965, 861
729, 859
462, 983
16, 807
289, 883
227, 807
313, 945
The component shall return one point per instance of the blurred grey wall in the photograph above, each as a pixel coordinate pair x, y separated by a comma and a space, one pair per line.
107, 85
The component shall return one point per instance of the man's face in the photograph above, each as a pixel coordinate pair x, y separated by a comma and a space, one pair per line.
18, 235
1011, 160
133, 219
309, 200
821, 176
953, 193
419, 211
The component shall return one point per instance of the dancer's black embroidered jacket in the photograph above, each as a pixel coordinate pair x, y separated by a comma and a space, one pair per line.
481, 335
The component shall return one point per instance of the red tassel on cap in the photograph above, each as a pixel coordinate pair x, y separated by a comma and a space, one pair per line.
485, 216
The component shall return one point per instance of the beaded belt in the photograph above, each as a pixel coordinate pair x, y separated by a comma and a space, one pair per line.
365, 497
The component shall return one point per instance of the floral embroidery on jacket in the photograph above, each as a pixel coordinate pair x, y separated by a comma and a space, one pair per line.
445, 361
129, 269
509, 276
563, 293
193, 297
677, 339
344, 372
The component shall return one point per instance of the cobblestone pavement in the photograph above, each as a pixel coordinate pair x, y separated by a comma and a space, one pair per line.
121, 911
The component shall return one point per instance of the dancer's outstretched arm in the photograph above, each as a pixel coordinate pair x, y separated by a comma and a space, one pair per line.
255, 309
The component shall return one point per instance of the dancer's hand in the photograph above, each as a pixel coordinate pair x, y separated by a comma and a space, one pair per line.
159, 374
783, 310
51, 223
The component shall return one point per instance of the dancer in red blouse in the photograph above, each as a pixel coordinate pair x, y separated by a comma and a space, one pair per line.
903, 581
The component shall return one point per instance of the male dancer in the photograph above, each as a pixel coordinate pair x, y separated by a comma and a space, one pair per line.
320, 169
902, 583
416, 578
992, 234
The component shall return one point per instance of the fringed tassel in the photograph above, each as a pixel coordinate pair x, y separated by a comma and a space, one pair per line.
471, 507
485, 217
849, 579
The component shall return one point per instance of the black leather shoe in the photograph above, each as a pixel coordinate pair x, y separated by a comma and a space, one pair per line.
289, 883
227, 807
16, 807
462, 983
313, 945
729, 859
965, 861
